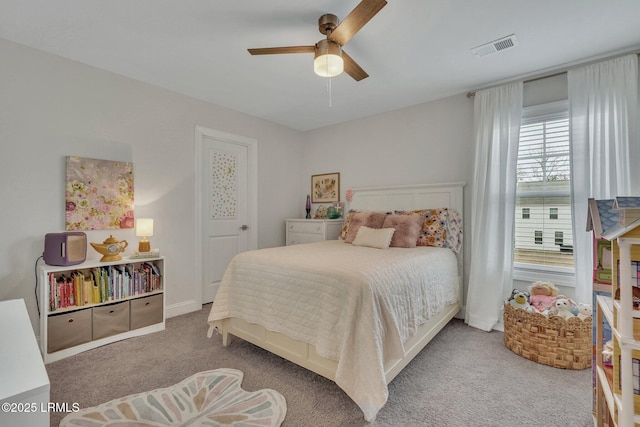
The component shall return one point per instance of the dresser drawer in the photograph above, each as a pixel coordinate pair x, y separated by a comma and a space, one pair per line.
311, 230
299, 238
305, 227
146, 311
110, 320
68, 330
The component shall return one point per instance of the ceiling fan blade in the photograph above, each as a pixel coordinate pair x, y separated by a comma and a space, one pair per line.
277, 50
353, 69
358, 17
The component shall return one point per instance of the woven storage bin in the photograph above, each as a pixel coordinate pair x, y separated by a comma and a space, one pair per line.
551, 341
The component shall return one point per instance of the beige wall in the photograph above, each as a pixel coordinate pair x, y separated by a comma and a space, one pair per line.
426, 143
52, 107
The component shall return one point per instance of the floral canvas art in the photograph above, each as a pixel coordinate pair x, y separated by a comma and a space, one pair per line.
99, 194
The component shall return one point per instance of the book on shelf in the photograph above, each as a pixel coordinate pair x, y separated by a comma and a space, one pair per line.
102, 284
154, 253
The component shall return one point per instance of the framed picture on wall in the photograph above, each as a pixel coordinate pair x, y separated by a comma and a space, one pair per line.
325, 188
99, 194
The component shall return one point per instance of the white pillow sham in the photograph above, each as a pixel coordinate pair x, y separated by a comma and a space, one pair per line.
379, 238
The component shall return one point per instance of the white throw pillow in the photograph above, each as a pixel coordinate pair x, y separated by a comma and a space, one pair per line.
373, 237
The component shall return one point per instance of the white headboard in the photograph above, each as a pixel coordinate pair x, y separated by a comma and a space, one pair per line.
409, 197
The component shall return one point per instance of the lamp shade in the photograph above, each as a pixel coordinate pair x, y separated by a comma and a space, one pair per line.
328, 60
144, 227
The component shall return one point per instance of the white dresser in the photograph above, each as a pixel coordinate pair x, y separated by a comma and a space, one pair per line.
24, 383
312, 230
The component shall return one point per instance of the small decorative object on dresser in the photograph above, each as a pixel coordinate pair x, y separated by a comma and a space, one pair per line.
307, 207
339, 208
332, 212
312, 230
153, 253
110, 249
321, 212
144, 229
325, 188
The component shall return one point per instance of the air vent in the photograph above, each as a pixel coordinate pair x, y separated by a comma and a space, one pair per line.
495, 46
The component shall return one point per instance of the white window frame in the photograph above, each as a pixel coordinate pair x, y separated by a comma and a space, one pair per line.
564, 276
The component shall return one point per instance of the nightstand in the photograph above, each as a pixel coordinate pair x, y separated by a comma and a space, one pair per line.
312, 230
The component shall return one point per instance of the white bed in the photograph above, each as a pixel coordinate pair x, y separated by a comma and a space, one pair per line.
332, 307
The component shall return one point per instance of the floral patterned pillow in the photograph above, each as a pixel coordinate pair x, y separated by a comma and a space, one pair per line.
434, 226
345, 225
454, 231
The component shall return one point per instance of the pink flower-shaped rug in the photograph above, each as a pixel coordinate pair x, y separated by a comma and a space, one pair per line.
211, 398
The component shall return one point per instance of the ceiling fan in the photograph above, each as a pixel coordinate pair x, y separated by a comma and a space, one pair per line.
330, 60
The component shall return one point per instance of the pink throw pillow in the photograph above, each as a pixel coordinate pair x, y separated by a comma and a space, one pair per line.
407, 229
371, 219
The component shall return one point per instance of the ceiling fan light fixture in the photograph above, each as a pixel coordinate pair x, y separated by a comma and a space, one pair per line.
328, 60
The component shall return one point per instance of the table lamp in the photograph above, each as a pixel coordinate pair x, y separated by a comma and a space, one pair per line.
144, 229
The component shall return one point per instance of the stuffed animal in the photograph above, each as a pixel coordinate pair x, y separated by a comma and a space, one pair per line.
584, 311
519, 299
543, 296
572, 304
564, 308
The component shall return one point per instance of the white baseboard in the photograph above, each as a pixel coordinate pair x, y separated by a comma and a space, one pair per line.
182, 308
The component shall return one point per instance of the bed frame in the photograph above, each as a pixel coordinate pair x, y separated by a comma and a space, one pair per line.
372, 198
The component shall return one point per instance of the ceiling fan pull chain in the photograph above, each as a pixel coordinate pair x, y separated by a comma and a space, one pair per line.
329, 90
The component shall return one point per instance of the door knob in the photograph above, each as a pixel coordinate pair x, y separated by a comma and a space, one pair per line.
244, 227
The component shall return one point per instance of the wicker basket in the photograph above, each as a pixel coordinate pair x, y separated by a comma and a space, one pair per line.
551, 341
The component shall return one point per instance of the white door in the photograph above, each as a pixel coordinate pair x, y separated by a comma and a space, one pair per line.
227, 209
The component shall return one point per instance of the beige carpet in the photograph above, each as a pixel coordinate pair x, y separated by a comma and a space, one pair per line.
212, 398
463, 378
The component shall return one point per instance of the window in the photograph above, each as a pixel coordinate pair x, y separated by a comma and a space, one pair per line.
544, 193
538, 237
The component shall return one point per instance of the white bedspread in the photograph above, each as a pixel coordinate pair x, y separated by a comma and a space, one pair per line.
356, 305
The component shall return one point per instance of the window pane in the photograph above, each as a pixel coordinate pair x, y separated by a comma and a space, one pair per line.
538, 237
544, 236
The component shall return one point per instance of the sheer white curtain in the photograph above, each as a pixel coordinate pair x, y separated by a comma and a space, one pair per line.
496, 122
603, 102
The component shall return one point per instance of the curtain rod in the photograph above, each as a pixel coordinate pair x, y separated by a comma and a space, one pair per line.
471, 94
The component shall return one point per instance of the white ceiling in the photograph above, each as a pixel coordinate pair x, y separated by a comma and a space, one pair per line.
414, 50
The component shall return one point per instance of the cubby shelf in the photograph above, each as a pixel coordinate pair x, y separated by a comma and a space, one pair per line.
69, 330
